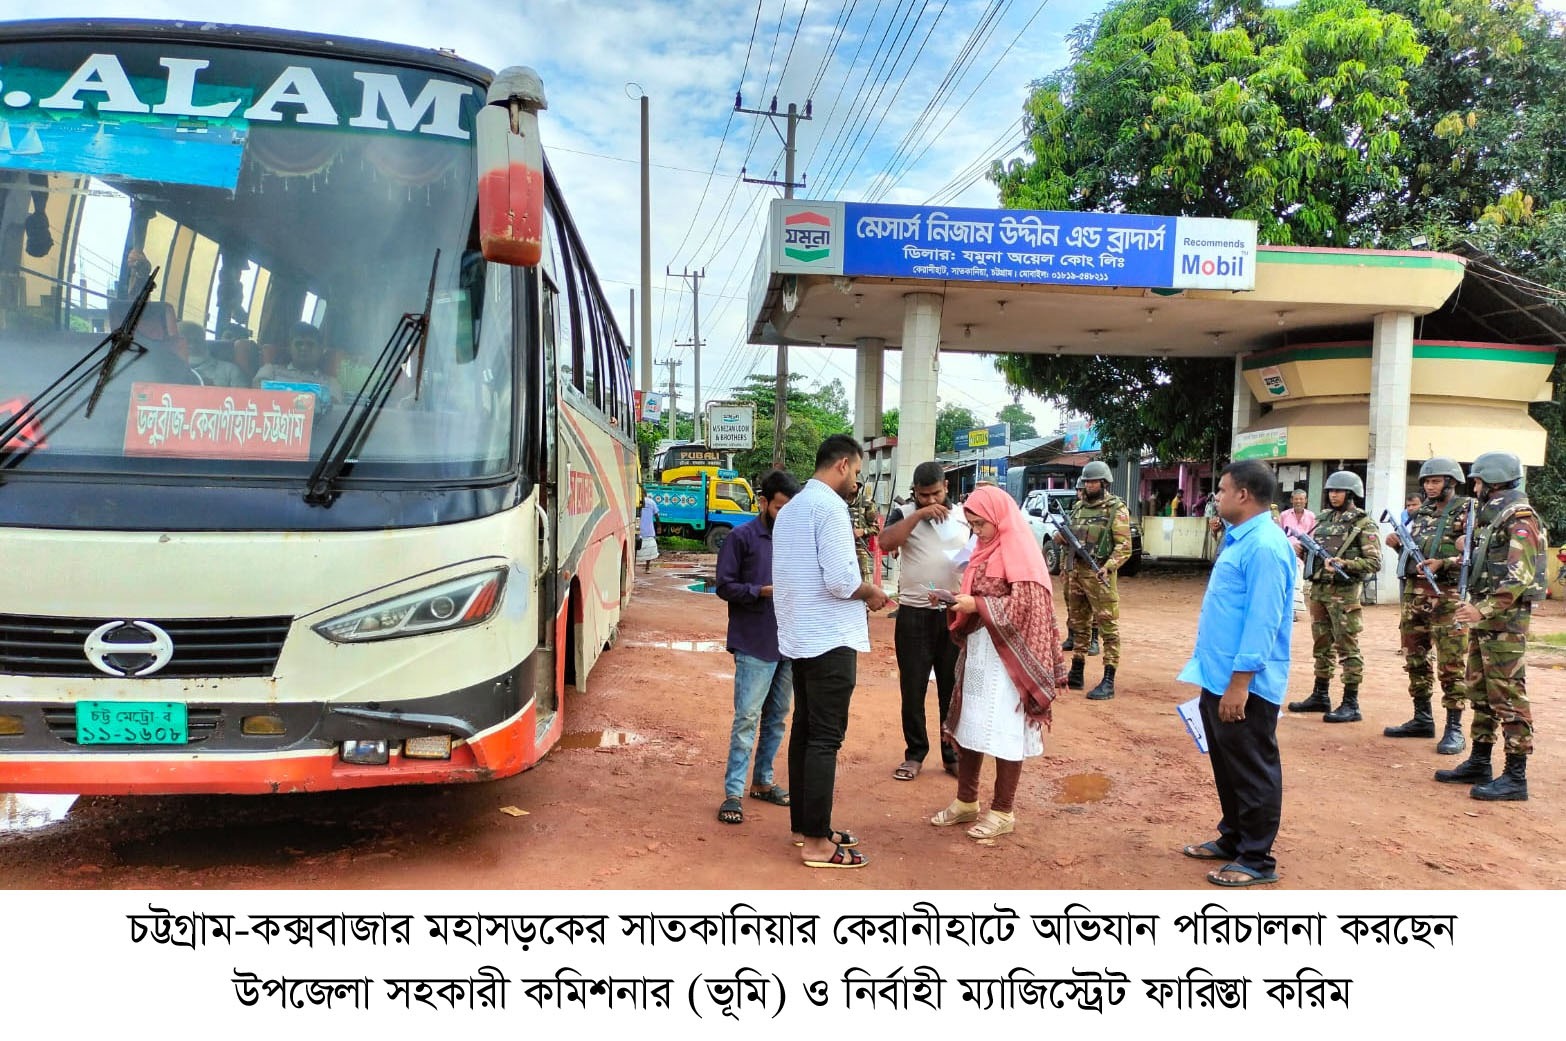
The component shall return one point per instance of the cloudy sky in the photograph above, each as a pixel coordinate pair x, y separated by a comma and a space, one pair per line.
910, 99
869, 67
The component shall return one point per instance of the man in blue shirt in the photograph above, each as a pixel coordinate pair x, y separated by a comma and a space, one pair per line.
763, 680
1241, 662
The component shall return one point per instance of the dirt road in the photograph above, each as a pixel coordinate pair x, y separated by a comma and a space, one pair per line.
1119, 789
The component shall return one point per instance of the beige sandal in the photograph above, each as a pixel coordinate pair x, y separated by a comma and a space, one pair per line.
958, 812
994, 824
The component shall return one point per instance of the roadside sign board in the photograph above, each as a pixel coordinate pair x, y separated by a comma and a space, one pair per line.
731, 427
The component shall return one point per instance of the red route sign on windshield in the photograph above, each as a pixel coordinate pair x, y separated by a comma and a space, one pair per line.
171, 419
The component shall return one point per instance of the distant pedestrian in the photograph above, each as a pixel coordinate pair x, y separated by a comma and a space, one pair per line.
1241, 664
763, 679
930, 533
822, 627
1011, 667
647, 534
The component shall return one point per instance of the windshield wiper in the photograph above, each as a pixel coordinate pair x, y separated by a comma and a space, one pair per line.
118, 340
407, 342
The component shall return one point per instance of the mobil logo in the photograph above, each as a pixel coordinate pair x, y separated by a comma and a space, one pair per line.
1212, 253
807, 236
1209, 266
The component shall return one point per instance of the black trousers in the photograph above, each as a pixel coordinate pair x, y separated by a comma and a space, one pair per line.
823, 686
1249, 776
923, 642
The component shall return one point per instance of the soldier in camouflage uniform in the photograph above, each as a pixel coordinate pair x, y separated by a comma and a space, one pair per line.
1349, 536
1102, 523
1427, 618
1506, 577
1071, 635
867, 525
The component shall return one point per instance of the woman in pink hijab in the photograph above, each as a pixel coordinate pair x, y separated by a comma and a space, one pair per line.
1010, 667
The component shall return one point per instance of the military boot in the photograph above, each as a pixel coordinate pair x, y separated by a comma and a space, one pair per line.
1453, 742
1422, 725
1511, 786
1106, 686
1093, 645
1317, 702
1074, 680
1071, 641
1476, 768
1348, 709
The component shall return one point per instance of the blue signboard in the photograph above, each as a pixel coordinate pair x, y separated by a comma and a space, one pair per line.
1015, 246
982, 437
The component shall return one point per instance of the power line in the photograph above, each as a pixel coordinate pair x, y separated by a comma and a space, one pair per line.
874, 74
977, 39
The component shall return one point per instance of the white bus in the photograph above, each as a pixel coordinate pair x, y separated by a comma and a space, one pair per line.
317, 464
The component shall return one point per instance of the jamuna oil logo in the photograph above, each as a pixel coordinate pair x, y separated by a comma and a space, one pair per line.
807, 236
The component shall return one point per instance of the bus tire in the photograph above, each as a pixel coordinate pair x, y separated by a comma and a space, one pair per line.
716, 535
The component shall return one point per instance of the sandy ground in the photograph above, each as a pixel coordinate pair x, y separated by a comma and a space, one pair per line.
630, 802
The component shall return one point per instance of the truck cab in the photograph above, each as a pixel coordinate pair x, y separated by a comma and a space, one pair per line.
702, 505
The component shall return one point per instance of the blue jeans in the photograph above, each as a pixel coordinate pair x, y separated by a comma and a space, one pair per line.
763, 691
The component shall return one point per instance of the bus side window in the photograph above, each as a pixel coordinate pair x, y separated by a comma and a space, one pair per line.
566, 342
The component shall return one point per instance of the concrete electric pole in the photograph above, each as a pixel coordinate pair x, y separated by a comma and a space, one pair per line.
674, 412
695, 344
792, 118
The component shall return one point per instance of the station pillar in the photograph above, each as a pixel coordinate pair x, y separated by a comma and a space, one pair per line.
868, 370
921, 368
1245, 409
1386, 469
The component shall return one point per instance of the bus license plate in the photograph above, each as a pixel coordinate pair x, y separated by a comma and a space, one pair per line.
130, 723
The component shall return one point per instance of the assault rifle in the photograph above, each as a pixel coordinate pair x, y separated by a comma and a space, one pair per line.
1316, 548
1387, 517
1077, 548
1464, 573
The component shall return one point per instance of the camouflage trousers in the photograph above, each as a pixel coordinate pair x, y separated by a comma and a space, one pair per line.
1426, 623
1336, 619
1498, 687
864, 562
1090, 603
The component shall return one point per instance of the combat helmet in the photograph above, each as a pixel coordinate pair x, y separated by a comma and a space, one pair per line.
1346, 481
1097, 470
1497, 468
1441, 466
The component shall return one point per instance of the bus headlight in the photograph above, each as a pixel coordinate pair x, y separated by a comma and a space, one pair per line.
451, 605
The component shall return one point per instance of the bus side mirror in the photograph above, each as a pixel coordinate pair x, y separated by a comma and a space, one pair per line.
511, 169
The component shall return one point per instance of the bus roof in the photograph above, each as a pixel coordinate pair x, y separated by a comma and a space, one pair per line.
212, 34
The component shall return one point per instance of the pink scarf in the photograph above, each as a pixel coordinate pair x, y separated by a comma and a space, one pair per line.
1013, 554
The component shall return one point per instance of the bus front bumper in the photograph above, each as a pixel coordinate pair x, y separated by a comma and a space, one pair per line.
492, 726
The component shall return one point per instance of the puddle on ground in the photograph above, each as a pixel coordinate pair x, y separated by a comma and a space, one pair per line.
704, 586
611, 738
703, 646
32, 812
1083, 788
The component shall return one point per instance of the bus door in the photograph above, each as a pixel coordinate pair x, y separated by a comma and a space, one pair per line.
553, 639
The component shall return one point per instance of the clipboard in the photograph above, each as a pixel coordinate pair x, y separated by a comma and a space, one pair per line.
1190, 713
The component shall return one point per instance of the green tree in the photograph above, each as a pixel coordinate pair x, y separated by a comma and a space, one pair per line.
950, 421
1485, 110
889, 421
1021, 421
813, 416
1289, 116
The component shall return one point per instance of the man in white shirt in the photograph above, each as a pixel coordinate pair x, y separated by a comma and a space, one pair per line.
820, 600
931, 536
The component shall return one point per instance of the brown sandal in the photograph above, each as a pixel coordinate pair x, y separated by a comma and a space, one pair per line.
908, 770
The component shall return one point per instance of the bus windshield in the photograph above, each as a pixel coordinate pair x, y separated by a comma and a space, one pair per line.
292, 207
